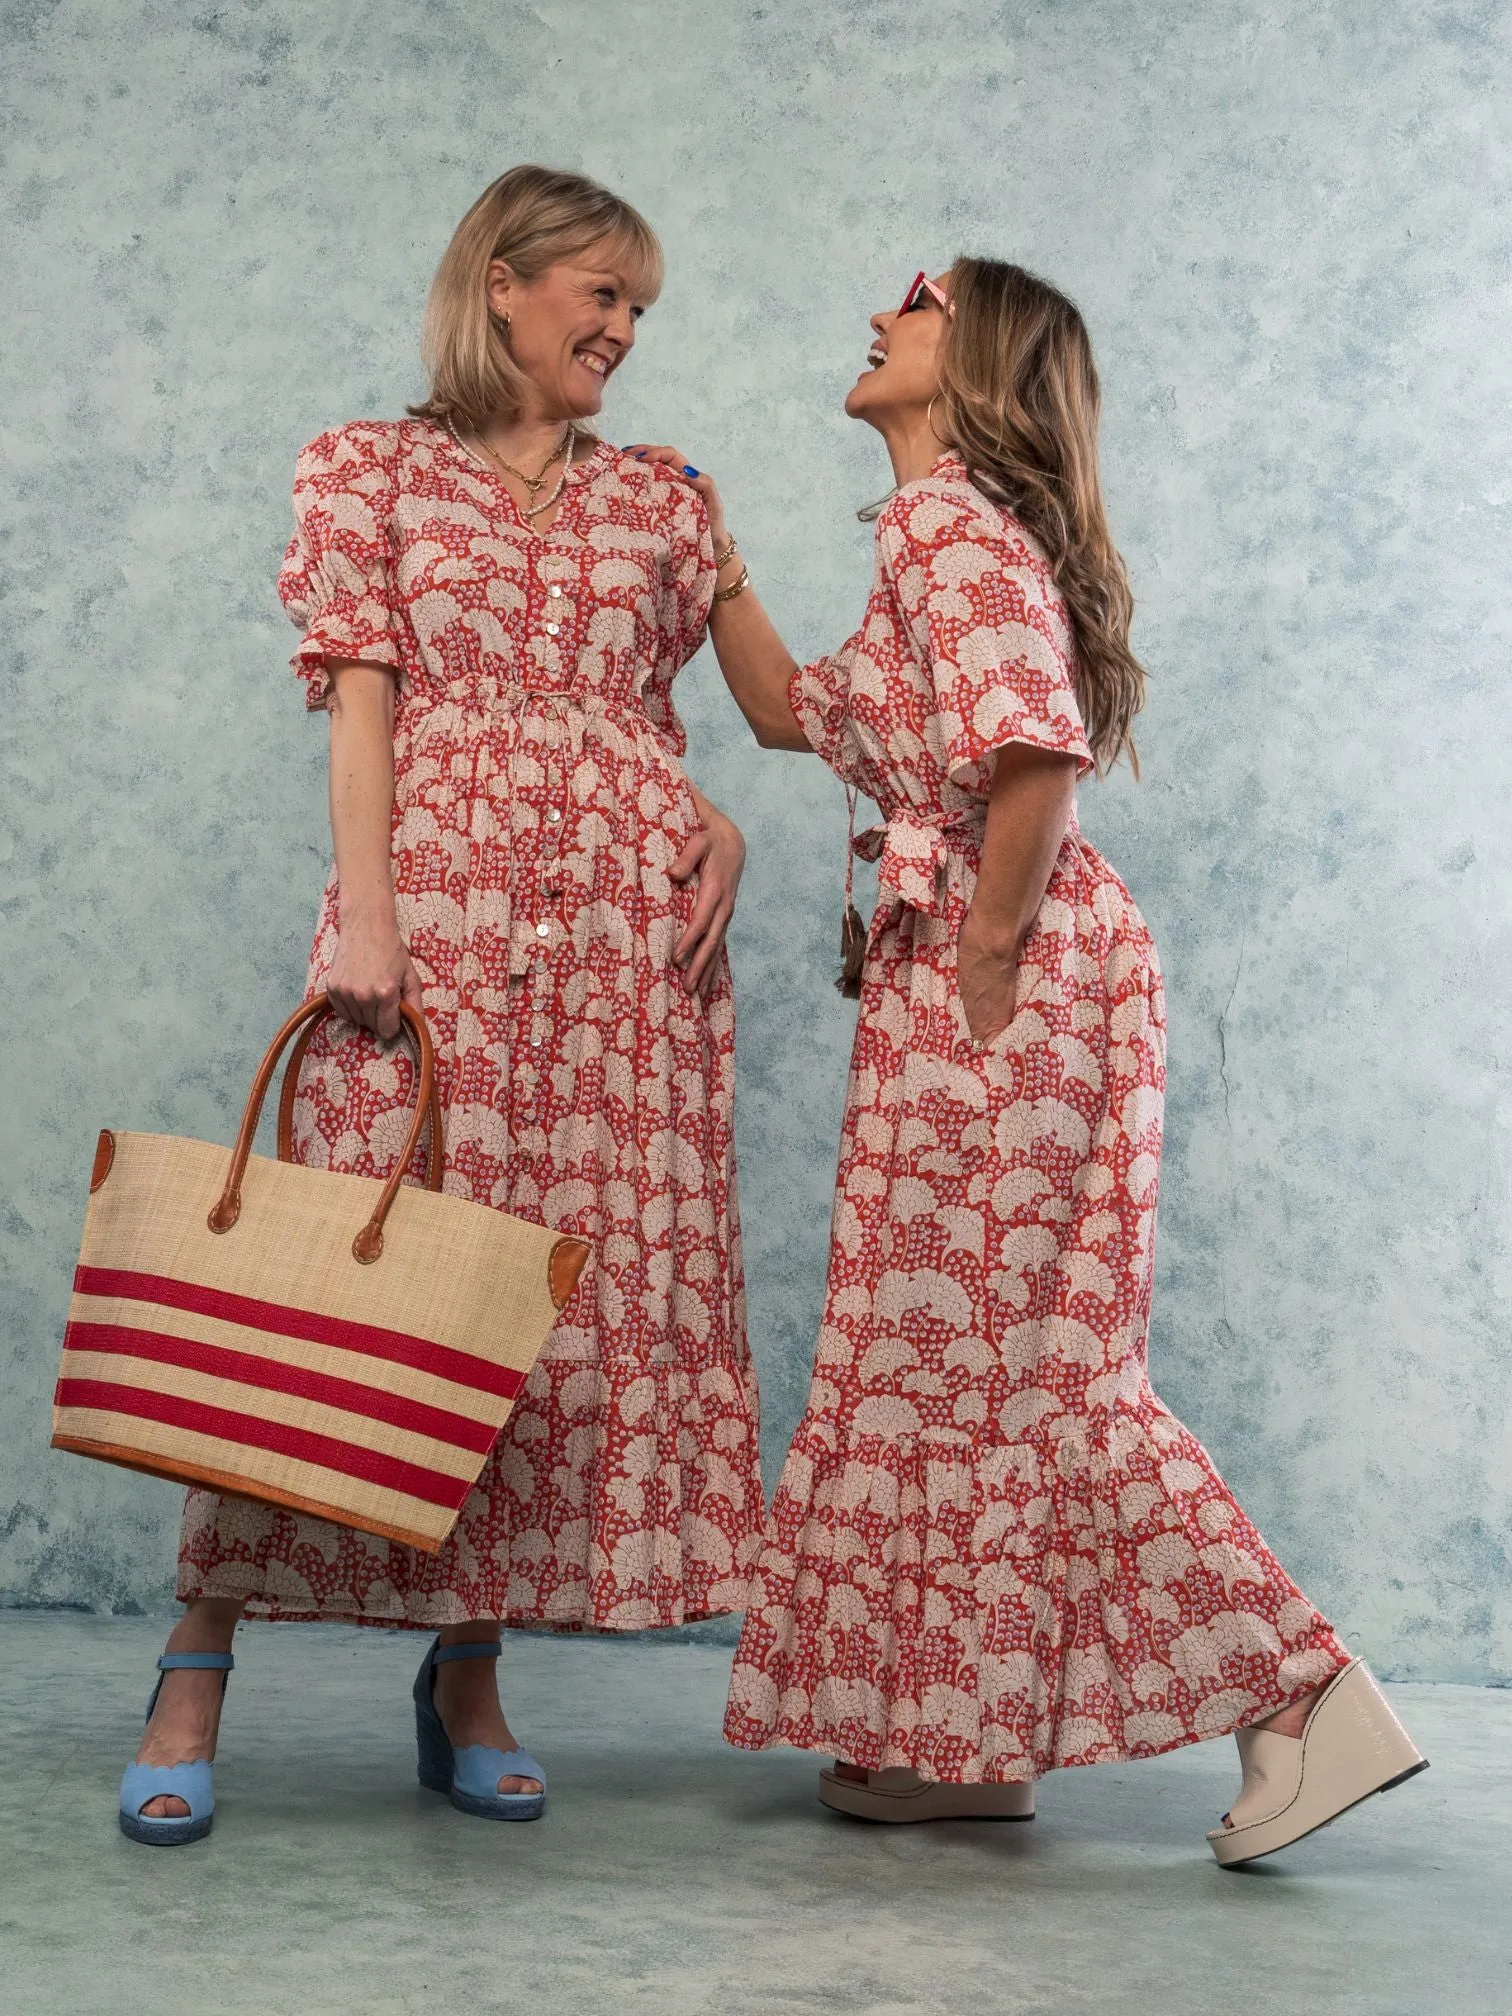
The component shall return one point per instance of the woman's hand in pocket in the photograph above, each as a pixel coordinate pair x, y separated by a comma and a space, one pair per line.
987, 974
370, 975
715, 855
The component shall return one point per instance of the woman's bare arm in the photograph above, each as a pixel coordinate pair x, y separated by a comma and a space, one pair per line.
757, 667
1027, 812
756, 664
372, 971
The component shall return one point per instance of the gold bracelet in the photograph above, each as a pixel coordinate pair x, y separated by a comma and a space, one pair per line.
738, 586
722, 559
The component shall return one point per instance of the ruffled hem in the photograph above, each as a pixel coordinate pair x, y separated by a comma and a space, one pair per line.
983, 1610
618, 1499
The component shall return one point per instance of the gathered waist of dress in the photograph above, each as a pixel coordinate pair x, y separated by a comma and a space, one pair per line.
498, 697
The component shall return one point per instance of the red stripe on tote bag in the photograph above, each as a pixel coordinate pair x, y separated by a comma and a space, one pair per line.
245, 1368
432, 1487
308, 1325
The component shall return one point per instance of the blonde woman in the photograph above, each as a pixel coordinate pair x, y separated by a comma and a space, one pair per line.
494, 606
993, 1552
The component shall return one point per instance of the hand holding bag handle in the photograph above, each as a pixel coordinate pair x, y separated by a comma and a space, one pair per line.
368, 1244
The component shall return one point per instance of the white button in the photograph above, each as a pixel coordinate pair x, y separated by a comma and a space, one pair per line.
543, 930
552, 816
535, 1041
553, 629
553, 589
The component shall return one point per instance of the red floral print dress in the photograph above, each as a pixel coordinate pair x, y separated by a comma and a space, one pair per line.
992, 1550
539, 803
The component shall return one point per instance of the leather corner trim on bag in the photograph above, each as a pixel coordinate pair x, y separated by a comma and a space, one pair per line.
104, 1156
568, 1259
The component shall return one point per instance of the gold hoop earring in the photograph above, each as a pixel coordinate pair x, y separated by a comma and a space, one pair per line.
929, 422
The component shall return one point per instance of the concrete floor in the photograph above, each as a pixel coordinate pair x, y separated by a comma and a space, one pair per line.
673, 1875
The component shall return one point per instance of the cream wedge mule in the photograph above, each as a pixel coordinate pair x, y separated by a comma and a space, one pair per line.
1351, 1747
900, 1794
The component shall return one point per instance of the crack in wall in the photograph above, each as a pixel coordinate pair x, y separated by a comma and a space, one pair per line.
1228, 1122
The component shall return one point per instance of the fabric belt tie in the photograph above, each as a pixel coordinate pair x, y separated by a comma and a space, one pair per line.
913, 853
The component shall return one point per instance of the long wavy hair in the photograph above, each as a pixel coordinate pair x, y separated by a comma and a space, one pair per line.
531, 218
1019, 400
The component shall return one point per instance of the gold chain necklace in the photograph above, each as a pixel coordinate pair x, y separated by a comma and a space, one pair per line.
533, 484
527, 511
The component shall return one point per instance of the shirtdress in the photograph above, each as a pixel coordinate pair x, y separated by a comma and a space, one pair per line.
539, 802
992, 1551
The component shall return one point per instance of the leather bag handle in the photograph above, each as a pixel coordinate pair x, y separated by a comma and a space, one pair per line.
435, 1159
368, 1244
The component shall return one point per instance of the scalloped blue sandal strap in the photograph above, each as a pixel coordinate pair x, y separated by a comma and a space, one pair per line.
477, 1771
190, 1782
470, 1649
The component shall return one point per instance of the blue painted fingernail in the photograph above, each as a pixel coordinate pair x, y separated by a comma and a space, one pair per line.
640, 454
689, 470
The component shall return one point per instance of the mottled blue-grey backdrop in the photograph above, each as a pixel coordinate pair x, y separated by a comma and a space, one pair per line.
1290, 227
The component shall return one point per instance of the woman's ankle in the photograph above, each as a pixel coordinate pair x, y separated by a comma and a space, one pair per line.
478, 1631
1292, 1719
207, 1625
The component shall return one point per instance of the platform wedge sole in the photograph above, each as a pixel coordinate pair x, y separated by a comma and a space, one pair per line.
1352, 1747
903, 1796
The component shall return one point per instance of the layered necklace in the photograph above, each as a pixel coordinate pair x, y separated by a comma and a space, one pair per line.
534, 484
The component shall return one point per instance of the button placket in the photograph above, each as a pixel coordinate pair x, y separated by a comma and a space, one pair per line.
556, 752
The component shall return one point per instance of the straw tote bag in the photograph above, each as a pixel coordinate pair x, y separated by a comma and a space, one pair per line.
342, 1346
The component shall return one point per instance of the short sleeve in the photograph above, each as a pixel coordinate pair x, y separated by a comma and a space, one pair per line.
819, 695
983, 613
687, 594
334, 581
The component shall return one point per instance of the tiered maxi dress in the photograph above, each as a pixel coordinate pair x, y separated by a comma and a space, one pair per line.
539, 804
992, 1551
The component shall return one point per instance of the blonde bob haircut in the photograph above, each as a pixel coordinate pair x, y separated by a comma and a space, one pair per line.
531, 218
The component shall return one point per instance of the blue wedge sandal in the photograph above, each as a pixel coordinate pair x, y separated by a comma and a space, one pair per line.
470, 1776
142, 1783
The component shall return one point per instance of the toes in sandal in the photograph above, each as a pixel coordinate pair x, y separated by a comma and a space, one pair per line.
470, 1776
190, 1781
1351, 1747
899, 1794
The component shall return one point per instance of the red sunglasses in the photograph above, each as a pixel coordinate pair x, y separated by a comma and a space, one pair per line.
920, 289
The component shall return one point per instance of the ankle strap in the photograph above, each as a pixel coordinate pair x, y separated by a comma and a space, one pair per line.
201, 1662
484, 1649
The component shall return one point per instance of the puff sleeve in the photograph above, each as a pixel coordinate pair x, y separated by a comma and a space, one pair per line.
335, 578
819, 695
983, 614
682, 616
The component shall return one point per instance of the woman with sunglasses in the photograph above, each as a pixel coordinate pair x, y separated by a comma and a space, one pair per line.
993, 1552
